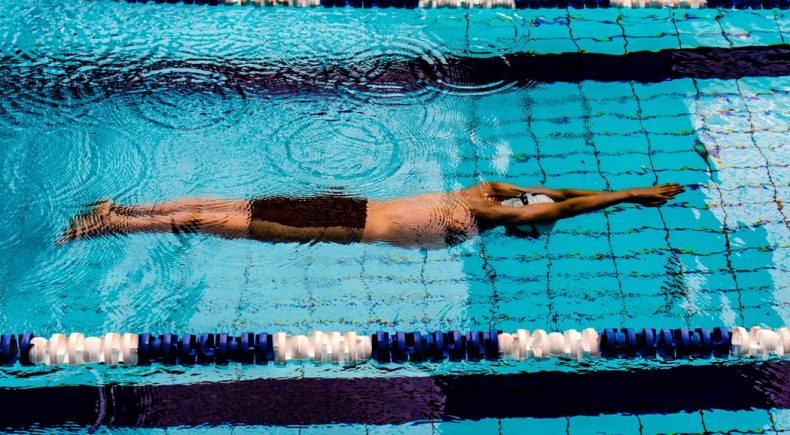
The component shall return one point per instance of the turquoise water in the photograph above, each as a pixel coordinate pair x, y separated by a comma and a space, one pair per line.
103, 99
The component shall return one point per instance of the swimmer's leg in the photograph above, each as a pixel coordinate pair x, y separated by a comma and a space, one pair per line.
222, 218
183, 205
228, 224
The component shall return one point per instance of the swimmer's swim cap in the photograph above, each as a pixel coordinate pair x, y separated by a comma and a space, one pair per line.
532, 230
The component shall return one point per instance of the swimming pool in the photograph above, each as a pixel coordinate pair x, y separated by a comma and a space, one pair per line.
149, 102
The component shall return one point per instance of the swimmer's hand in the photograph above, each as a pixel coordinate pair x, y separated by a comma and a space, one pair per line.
656, 195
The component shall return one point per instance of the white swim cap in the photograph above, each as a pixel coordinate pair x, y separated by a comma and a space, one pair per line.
528, 199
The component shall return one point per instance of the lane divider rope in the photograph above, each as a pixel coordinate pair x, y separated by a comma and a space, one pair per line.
507, 4
400, 347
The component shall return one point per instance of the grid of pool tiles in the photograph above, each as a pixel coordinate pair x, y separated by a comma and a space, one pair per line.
726, 242
716, 255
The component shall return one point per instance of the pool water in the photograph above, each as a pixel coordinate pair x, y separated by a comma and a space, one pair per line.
151, 102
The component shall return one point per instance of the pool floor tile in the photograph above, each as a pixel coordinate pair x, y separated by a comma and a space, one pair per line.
542, 426
613, 424
758, 420
485, 426
682, 422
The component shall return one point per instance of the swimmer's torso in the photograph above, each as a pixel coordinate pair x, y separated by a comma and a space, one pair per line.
430, 220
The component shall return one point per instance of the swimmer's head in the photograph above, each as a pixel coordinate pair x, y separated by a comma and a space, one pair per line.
530, 230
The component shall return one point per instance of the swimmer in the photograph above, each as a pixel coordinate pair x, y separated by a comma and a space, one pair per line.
431, 220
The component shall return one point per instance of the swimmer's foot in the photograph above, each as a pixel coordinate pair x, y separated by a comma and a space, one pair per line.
656, 195
123, 210
93, 223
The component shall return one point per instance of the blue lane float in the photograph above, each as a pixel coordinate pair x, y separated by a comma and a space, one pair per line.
400, 347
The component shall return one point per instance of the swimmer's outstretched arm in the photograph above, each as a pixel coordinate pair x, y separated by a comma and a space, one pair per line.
564, 194
508, 190
538, 213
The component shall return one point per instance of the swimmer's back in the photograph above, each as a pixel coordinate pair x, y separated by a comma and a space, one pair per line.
428, 220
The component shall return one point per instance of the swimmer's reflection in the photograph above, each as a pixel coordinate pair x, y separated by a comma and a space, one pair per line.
431, 220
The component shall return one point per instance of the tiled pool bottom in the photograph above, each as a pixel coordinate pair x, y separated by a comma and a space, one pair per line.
717, 255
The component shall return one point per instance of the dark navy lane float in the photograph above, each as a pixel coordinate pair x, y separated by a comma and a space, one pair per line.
400, 347
78, 77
